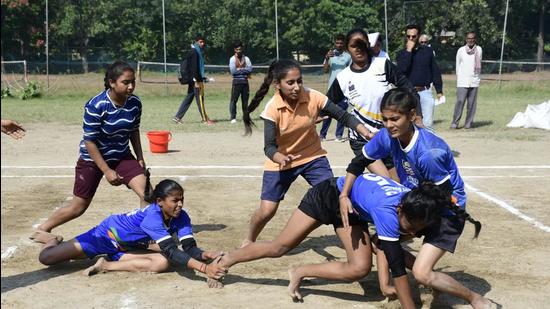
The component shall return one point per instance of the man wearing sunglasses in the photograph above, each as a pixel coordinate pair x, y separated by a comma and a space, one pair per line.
418, 63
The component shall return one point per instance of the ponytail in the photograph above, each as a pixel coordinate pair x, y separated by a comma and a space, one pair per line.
162, 189
148, 192
277, 71
258, 97
462, 214
426, 203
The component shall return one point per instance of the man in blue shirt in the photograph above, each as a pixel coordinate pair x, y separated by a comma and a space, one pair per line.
418, 63
336, 60
240, 67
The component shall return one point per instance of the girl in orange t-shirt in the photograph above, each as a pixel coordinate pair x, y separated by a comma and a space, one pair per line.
291, 144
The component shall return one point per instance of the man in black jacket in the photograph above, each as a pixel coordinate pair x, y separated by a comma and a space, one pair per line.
418, 64
195, 86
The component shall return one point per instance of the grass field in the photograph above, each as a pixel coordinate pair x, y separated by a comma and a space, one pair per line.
506, 172
497, 104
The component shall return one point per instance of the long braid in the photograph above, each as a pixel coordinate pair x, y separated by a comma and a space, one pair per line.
258, 97
462, 214
148, 193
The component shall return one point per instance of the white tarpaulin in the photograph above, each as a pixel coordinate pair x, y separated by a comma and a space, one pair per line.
535, 116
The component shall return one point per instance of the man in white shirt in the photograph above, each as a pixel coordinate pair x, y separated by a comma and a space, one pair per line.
468, 70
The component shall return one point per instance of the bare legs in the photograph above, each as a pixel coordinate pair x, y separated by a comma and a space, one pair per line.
297, 228
134, 262
424, 274
79, 205
359, 254
260, 218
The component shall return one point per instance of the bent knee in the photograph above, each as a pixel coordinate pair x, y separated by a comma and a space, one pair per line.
423, 276
357, 271
47, 259
160, 264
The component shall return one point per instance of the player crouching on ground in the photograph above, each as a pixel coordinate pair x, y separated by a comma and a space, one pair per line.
125, 239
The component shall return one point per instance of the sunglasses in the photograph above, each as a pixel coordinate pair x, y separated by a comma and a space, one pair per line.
423, 42
411, 36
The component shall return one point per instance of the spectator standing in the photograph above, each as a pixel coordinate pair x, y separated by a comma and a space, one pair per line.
375, 40
240, 67
195, 87
468, 70
336, 60
418, 63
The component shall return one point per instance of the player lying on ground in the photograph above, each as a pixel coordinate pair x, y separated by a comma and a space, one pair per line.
391, 207
418, 155
125, 239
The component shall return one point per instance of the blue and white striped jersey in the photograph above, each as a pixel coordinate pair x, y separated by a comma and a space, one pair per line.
109, 126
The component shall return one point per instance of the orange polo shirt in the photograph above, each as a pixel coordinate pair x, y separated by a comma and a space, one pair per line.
296, 129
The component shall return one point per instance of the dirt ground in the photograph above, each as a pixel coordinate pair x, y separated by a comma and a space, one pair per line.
508, 263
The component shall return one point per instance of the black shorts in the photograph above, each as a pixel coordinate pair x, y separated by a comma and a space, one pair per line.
445, 235
322, 204
357, 148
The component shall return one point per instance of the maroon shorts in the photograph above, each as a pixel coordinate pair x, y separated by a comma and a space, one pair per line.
88, 175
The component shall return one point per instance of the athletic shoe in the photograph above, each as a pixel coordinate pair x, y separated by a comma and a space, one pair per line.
209, 122
339, 140
233, 120
453, 126
177, 120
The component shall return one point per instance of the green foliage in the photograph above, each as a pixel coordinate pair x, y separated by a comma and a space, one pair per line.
6, 92
99, 30
29, 91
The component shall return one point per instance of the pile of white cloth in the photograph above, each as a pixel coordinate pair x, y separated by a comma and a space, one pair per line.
535, 116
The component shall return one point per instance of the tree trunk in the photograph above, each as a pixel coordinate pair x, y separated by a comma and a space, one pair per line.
540, 38
84, 55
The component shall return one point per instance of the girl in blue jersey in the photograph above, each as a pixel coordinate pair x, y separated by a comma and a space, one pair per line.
111, 122
125, 239
391, 207
419, 155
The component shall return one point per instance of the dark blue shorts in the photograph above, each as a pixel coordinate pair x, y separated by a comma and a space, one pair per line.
276, 183
96, 242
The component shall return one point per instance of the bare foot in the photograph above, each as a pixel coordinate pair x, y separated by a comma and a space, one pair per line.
245, 243
44, 237
96, 268
481, 302
294, 286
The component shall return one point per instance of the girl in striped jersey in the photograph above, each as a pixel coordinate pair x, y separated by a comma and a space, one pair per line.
111, 123
125, 239
419, 155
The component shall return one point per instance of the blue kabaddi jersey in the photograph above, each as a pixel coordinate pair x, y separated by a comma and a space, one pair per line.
427, 157
109, 126
135, 229
375, 198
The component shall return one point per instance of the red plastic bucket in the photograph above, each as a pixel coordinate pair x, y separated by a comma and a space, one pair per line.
158, 141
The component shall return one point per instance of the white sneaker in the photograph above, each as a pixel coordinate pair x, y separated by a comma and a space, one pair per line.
233, 120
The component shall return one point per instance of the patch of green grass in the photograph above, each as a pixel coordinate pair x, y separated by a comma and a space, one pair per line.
64, 104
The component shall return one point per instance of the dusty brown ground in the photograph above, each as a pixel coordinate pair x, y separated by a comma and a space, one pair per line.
508, 263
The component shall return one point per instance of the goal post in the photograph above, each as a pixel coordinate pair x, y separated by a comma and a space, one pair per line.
15, 70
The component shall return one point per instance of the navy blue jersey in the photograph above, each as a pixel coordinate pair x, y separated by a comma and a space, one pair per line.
109, 126
135, 229
375, 198
427, 157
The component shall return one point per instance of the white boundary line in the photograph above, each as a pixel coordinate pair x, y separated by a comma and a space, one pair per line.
259, 176
508, 207
261, 166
